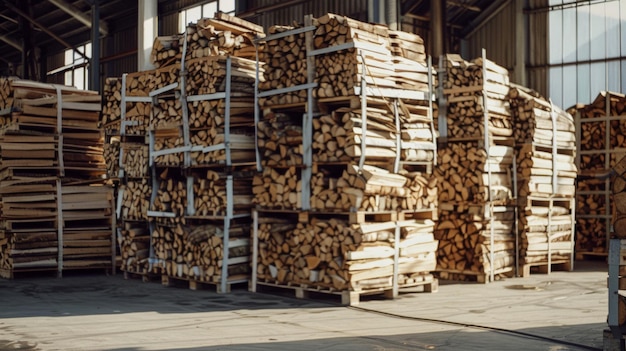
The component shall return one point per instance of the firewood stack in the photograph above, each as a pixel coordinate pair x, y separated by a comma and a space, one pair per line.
474, 178
201, 153
222, 35
599, 151
52, 191
334, 254
367, 200
618, 191
545, 143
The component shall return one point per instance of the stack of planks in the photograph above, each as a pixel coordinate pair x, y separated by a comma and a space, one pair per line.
546, 173
358, 184
474, 178
56, 211
601, 140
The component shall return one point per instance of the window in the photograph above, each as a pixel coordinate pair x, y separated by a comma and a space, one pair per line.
77, 74
193, 14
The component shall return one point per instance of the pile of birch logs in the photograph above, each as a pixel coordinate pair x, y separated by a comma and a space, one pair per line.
546, 173
353, 249
599, 152
473, 177
52, 167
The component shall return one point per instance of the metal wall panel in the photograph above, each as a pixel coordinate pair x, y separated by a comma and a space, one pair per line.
497, 36
356, 9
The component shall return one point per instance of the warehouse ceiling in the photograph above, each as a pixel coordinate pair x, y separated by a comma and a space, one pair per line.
29, 26
53, 25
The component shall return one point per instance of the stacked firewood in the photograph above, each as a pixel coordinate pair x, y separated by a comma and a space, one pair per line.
599, 151
135, 199
332, 253
353, 154
466, 90
196, 252
475, 179
546, 173
134, 242
223, 35
285, 66
619, 198
111, 151
210, 193
51, 153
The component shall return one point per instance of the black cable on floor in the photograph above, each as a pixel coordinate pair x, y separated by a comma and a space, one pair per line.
476, 326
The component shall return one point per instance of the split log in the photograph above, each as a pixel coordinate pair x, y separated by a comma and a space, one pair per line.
111, 152
135, 160
278, 188
134, 245
171, 197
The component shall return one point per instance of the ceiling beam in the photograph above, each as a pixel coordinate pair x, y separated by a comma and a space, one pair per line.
11, 42
80, 16
12, 7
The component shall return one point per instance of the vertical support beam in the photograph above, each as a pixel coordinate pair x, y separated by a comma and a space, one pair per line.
392, 15
94, 66
519, 71
375, 10
438, 27
147, 30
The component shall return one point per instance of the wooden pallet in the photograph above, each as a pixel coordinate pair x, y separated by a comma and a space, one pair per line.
348, 297
479, 277
543, 267
591, 256
193, 284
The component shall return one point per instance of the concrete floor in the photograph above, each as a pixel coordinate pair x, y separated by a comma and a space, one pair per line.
560, 311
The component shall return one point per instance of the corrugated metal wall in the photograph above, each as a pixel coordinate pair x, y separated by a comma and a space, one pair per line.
497, 36
356, 9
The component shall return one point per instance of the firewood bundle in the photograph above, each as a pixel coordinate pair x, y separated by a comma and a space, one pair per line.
278, 188
466, 89
241, 142
166, 112
593, 138
135, 199
546, 229
210, 193
619, 198
221, 35
135, 159
339, 136
535, 167
208, 76
591, 209
111, 151
463, 174
464, 233
285, 66
171, 197
134, 242
280, 139
362, 191
197, 252
331, 253
169, 136
112, 96
368, 189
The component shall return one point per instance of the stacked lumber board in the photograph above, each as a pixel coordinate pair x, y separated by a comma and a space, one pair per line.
601, 145
371, 154
56, 210
546, 173
476, 223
